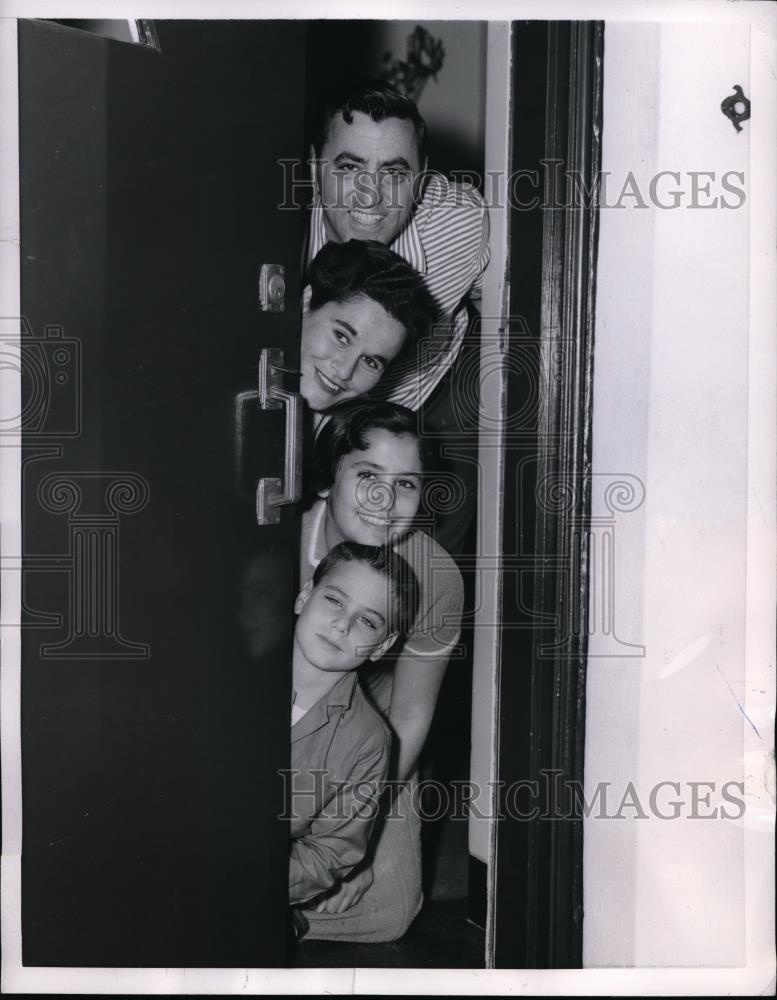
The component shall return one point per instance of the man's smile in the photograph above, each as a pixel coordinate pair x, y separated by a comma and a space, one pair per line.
366, 218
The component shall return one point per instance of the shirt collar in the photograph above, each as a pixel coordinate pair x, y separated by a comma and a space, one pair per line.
340, 695
408, 244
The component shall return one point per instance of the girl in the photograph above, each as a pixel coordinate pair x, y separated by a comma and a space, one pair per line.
367, 308
369, 475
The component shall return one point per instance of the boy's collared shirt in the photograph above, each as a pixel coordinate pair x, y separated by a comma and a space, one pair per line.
446, 241
340, 752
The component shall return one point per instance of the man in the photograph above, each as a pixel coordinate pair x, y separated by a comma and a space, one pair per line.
372, 183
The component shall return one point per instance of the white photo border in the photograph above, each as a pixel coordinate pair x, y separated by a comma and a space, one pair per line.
756, 977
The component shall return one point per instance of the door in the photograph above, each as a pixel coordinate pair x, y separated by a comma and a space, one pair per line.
535, 899
157, 613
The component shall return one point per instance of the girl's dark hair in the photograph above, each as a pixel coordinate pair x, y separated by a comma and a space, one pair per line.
346, 430
343, 271
376, 99
392, 566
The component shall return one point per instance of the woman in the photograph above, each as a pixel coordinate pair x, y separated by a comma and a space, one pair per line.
366, 311
369, 475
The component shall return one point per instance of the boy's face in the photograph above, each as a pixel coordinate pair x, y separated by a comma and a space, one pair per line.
366, 177
344, 620
376, 492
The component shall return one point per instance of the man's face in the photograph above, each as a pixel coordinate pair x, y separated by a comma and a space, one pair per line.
344, 619
366, 178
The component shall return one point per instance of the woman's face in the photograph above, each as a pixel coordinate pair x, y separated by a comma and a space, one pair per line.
346, 347
376, 492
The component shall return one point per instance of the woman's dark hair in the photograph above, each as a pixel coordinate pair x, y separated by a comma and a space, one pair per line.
386, 561
343, 271
376, 99
346, 430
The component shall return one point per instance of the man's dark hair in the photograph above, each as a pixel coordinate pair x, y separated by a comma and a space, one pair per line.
392, 566
378, 100
342, 271
346, 430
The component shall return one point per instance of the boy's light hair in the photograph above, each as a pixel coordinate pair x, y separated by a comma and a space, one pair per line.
384, 560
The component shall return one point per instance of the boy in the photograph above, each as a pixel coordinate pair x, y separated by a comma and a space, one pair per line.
360, 601
370, 471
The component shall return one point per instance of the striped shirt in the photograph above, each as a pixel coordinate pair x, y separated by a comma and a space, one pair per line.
446, 241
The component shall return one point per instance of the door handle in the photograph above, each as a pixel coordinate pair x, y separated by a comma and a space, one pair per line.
272, 493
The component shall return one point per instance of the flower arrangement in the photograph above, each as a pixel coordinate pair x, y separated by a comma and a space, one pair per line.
425, 56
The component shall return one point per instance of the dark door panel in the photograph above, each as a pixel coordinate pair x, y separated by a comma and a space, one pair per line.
154, 718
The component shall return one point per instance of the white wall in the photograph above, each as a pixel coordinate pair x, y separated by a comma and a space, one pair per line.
672, 359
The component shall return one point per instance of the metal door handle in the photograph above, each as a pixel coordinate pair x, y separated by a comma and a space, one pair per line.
273, 493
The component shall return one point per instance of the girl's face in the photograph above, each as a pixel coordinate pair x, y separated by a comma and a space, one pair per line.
346, 347
376, 492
